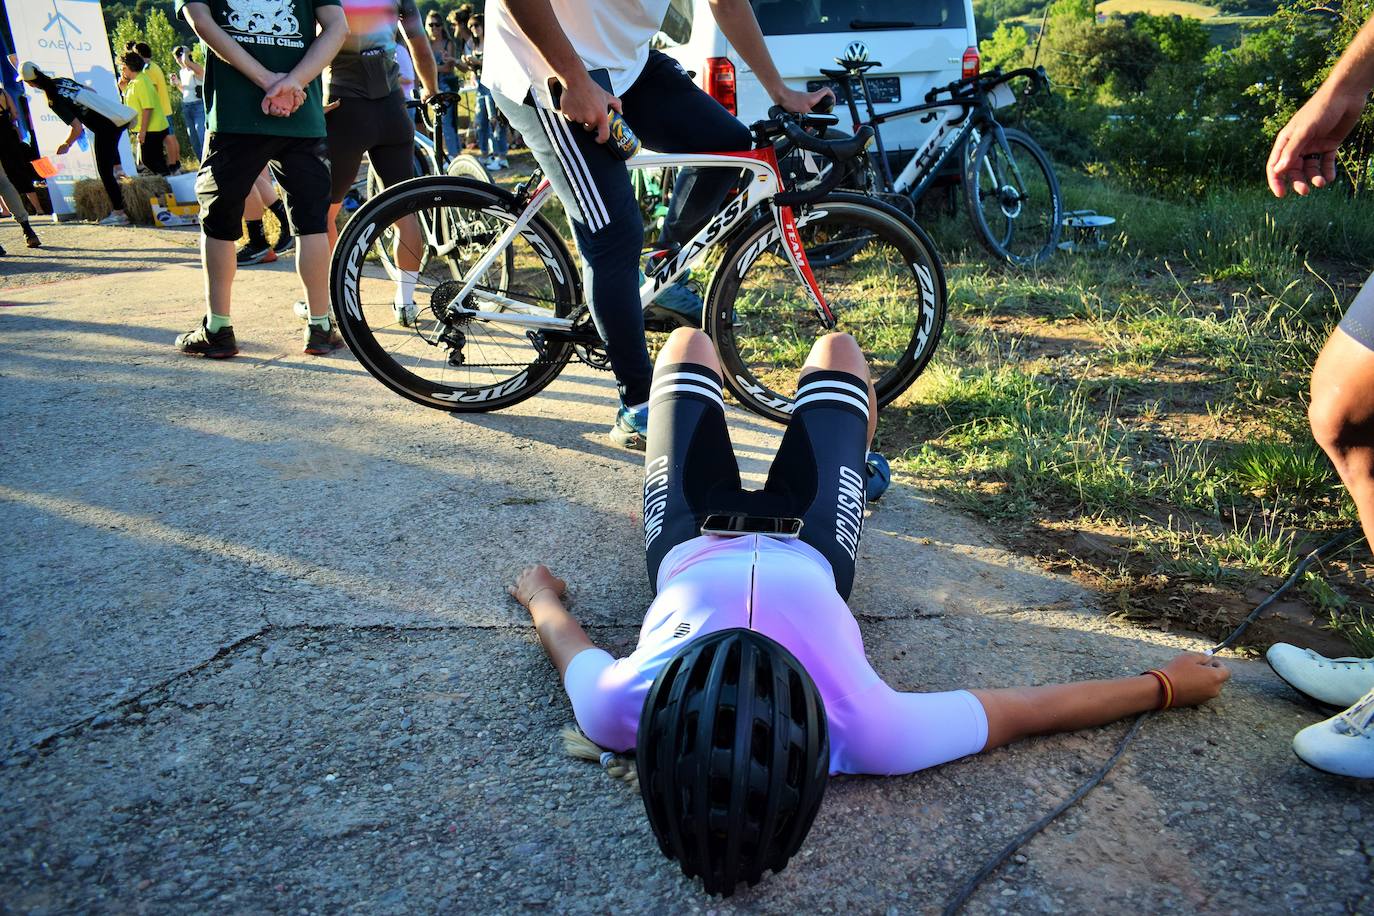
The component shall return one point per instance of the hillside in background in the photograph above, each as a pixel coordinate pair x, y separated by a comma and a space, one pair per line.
1224, 19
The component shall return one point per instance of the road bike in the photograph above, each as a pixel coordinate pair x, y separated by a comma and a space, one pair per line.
1010, 189
502, 307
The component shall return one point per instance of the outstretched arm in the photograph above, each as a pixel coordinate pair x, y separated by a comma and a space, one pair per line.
540, 591
1304, 153
1019, 712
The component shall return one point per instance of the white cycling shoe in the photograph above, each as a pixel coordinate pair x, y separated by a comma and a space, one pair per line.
1343, 744
1334, 681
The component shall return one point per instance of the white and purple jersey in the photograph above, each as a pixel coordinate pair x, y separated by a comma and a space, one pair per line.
784, 589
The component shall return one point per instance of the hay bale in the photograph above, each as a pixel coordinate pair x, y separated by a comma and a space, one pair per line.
92, 203
138, 192
90, 200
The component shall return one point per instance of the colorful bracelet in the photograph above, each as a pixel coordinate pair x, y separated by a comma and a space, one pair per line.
1166, 684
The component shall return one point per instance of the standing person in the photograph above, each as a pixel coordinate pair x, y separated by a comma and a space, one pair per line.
171, 145
367, 115
17, 154
756, 628
190, 79
264, 107
255, 248
149, 125
535, 41
15, 202
465, 112
446, 60
71, 102
1341, 412
491, 133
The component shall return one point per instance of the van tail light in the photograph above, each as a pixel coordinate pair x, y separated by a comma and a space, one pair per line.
971, 61
720, 82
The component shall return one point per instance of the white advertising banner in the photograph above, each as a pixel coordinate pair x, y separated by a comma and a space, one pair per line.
65, 38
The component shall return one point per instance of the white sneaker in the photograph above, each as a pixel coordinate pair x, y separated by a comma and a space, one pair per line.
1343, 744
502, 164
114, 219
301, 309
405, 314
1334, 681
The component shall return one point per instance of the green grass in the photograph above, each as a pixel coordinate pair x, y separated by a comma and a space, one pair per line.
1157, 388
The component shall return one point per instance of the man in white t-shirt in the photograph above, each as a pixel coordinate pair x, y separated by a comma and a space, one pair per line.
529, 43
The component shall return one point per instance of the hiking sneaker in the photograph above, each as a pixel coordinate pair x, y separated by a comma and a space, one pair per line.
1336, 682
114, 219
878, 477
405, 314
286, 242
212, 345
253, 253
322, 341
1342, 744
631, 429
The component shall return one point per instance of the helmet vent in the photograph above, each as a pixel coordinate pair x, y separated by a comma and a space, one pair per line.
725, 728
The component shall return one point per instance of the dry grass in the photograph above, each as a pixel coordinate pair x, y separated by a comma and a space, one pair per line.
92, 203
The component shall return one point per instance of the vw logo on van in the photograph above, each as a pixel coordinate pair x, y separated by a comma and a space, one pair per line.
857, 50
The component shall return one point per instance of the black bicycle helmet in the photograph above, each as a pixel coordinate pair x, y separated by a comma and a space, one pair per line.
733, 755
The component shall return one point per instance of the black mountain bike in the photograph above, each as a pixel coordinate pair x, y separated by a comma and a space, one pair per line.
1010, 189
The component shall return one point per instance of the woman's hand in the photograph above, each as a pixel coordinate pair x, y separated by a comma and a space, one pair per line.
62, 148
533, 580
1196, 678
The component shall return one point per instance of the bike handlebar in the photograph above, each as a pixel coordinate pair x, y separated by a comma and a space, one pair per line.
781, 122
986, 81
440, 100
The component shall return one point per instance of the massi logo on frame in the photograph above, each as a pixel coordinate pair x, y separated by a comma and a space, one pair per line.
266, 20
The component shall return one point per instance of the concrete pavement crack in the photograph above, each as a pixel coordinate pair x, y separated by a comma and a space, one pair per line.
44, 739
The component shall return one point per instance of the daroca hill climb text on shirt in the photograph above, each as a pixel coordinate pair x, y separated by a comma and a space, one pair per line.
277, 34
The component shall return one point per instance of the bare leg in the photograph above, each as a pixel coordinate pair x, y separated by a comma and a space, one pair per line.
1342, 418
312, 266
265, 189
332, 225
253, 205
841, 353
220, 265
689, 345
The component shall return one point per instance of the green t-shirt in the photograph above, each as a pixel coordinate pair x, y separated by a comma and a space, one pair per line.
276, 33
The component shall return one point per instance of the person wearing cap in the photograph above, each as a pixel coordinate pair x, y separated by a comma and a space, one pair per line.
71, 102
1341, 412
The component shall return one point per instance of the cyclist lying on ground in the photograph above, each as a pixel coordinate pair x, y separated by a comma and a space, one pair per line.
711, 651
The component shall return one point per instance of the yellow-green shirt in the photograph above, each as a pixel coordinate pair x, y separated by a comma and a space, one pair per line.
141, 94
159, 79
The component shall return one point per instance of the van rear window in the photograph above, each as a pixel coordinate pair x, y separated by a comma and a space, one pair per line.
806, 17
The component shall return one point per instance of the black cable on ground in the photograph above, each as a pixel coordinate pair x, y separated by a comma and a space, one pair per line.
956, 902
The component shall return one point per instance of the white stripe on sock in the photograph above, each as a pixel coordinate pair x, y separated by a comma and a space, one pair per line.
807, 386
688, 377
688, 389
831, 396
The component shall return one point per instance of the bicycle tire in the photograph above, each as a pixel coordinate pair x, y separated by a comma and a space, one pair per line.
1014, 191
377, 347
465, 166
749, 328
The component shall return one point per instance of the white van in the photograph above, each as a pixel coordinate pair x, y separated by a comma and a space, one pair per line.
921, 43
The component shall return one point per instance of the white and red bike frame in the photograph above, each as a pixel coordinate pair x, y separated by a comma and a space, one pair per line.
763, 184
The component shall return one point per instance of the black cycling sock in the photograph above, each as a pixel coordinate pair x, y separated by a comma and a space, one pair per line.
279, 211
256, 238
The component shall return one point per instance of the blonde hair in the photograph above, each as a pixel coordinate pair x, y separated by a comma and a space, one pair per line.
577, 744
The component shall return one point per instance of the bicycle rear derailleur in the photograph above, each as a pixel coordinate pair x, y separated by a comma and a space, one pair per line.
451, 320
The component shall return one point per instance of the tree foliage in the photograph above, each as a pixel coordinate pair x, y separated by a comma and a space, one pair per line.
1145, 98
